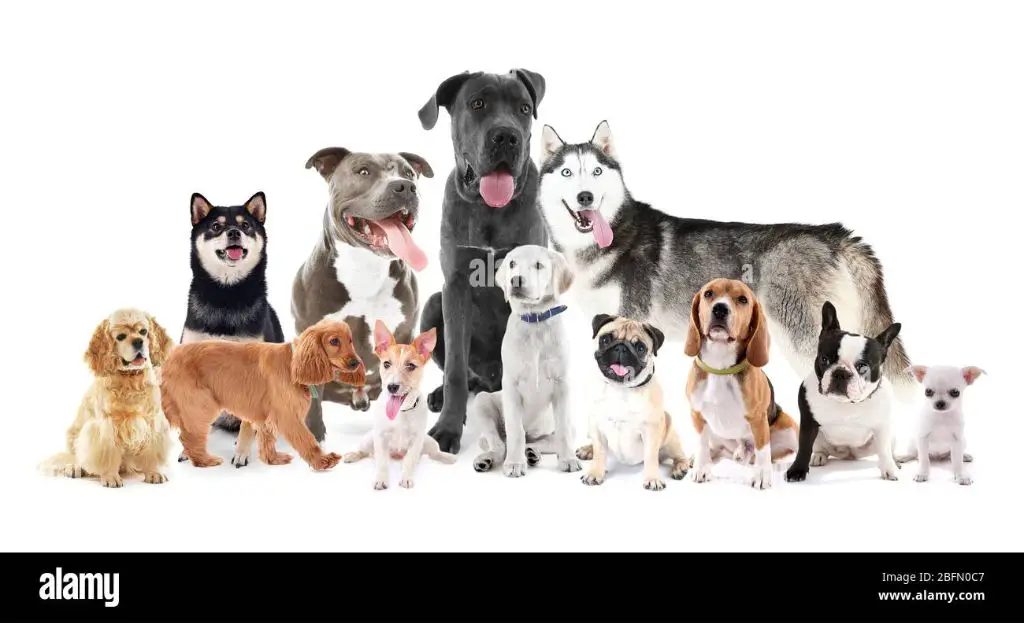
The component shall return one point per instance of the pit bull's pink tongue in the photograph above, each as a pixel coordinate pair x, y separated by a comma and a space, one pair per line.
401, 243
602, 231
392, 406
497, 188
234, 253
618, 369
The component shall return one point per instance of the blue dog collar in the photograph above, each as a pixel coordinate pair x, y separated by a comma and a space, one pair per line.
544, 315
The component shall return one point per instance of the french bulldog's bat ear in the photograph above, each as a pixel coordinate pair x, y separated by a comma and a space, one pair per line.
919, 372
535, 85
550, 143
657, 337
599, 321
418, 164
602, 139
443, 96
971, 374
886, 338
200, 207
257, 206
327, 160
829, 319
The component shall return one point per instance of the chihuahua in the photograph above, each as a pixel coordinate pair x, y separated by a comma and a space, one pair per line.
400, 426
940, 430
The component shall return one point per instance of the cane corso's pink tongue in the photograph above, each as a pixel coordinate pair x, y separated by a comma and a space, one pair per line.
619, 369
602, 230
234, 253
401, 243
392, 406
497, 188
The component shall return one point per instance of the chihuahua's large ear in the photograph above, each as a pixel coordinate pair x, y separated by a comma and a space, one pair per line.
562, 273
550, 143
382, 338
971, 374
919, 372
760, 342
257, 206
602, 139
535, 85
101, 357
310, 364
693, 334
418, 164
886, 338
160, 344
443, 96
424, 343
657, 337
599, 321
200, 207
829, 319
327, 160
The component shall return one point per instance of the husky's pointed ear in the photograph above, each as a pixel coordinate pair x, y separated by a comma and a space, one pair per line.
599, 321
550, 143
535, 85
693, 334
829, 319
443, 96
257, 206
418, 164
327, 160
602, 139
200, 208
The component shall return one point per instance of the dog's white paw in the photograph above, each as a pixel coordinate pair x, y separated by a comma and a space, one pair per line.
963, 479
569, 465
818, 459
113, 482
968, 458
654, 484
71, 471
762, 478
380, 484
514, 470
592, 479
889, 472
921, 478
405, 483
701, 474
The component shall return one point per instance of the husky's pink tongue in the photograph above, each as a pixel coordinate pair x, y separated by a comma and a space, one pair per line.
392, 406
234, 253
401, 243
618, 369
602, 231
497, 188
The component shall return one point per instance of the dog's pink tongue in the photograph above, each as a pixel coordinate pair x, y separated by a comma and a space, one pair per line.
401, 243
392, 406
497, 188
234, 253
602, 231
618, 369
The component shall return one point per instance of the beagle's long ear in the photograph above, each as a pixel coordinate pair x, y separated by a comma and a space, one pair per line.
759, 342
563, 274
418, 164
101, 357
327, 160
693, 335
599, 321
657, 337
535, 86
442, 97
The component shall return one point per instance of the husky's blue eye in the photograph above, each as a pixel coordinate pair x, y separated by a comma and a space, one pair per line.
597, 171
566, 172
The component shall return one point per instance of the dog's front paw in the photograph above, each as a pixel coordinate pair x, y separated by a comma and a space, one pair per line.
701, 474
585, 453
818, 459
380, 484
240, 460
514, 470
352, 457
679, 469
592, 478
325, 462
279, 458
532, 457
207, 461
888, 472
112, 482
405, 483
71, 471
569, 465
483, 463
182, 458
964, 479
654, 484
762, 478
921, 478
435, 399
796, 474
448, 436
154, 478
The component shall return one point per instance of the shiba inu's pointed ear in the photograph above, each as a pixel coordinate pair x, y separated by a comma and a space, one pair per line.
382, 338
443, 96
599, 321
418, 164
919, 372
971, 374
257, 206
602, 139
550, 143
424, 343
327, 160
693, 334
535, 85
200, 208
829, 319
657, 337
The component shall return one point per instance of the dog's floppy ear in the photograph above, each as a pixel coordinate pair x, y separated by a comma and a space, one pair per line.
424, 343
100, 356
602, 139
886, 338
563, 274
535, 84
310, 364
760, 342
382, 338
501, 276
550, 143
657, 337
200, 207
971, 374
443, 96
919, 372
327, 160
257, 206
160, 344
418, 163
599, 321
693, 337
829, 319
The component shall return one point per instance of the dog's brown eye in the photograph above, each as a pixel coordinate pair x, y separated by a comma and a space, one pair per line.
742, 300
353, 363
525, 109
708, 294
411, 367
335, 341
605, 340
476, 104
640, 347
955, 393
246, 226
364, 171
386, 365
929, 393
216, 228
121, 336
143, 332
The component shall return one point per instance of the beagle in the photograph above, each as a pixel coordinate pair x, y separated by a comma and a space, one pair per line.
732, 401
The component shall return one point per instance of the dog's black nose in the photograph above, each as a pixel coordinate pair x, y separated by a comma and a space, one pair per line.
504, 136
393, 388
940, 405
402, 187
234, 234
137, 343
841, 374
720, 311
517, 281
586, 198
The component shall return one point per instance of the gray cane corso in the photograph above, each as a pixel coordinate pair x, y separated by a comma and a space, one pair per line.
490, 207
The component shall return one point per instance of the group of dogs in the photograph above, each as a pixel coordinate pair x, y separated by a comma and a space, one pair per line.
645, 277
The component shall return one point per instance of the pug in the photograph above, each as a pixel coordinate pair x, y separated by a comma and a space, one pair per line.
628, 417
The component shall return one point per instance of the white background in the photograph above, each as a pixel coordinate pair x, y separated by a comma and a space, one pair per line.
901, 119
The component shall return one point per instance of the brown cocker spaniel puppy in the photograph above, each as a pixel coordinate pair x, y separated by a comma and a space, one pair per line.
120, 428
265, 385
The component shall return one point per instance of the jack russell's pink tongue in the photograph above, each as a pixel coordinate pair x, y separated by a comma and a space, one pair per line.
497, 188
619, 369
393, 404
401, 243
234, 253
602, 231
